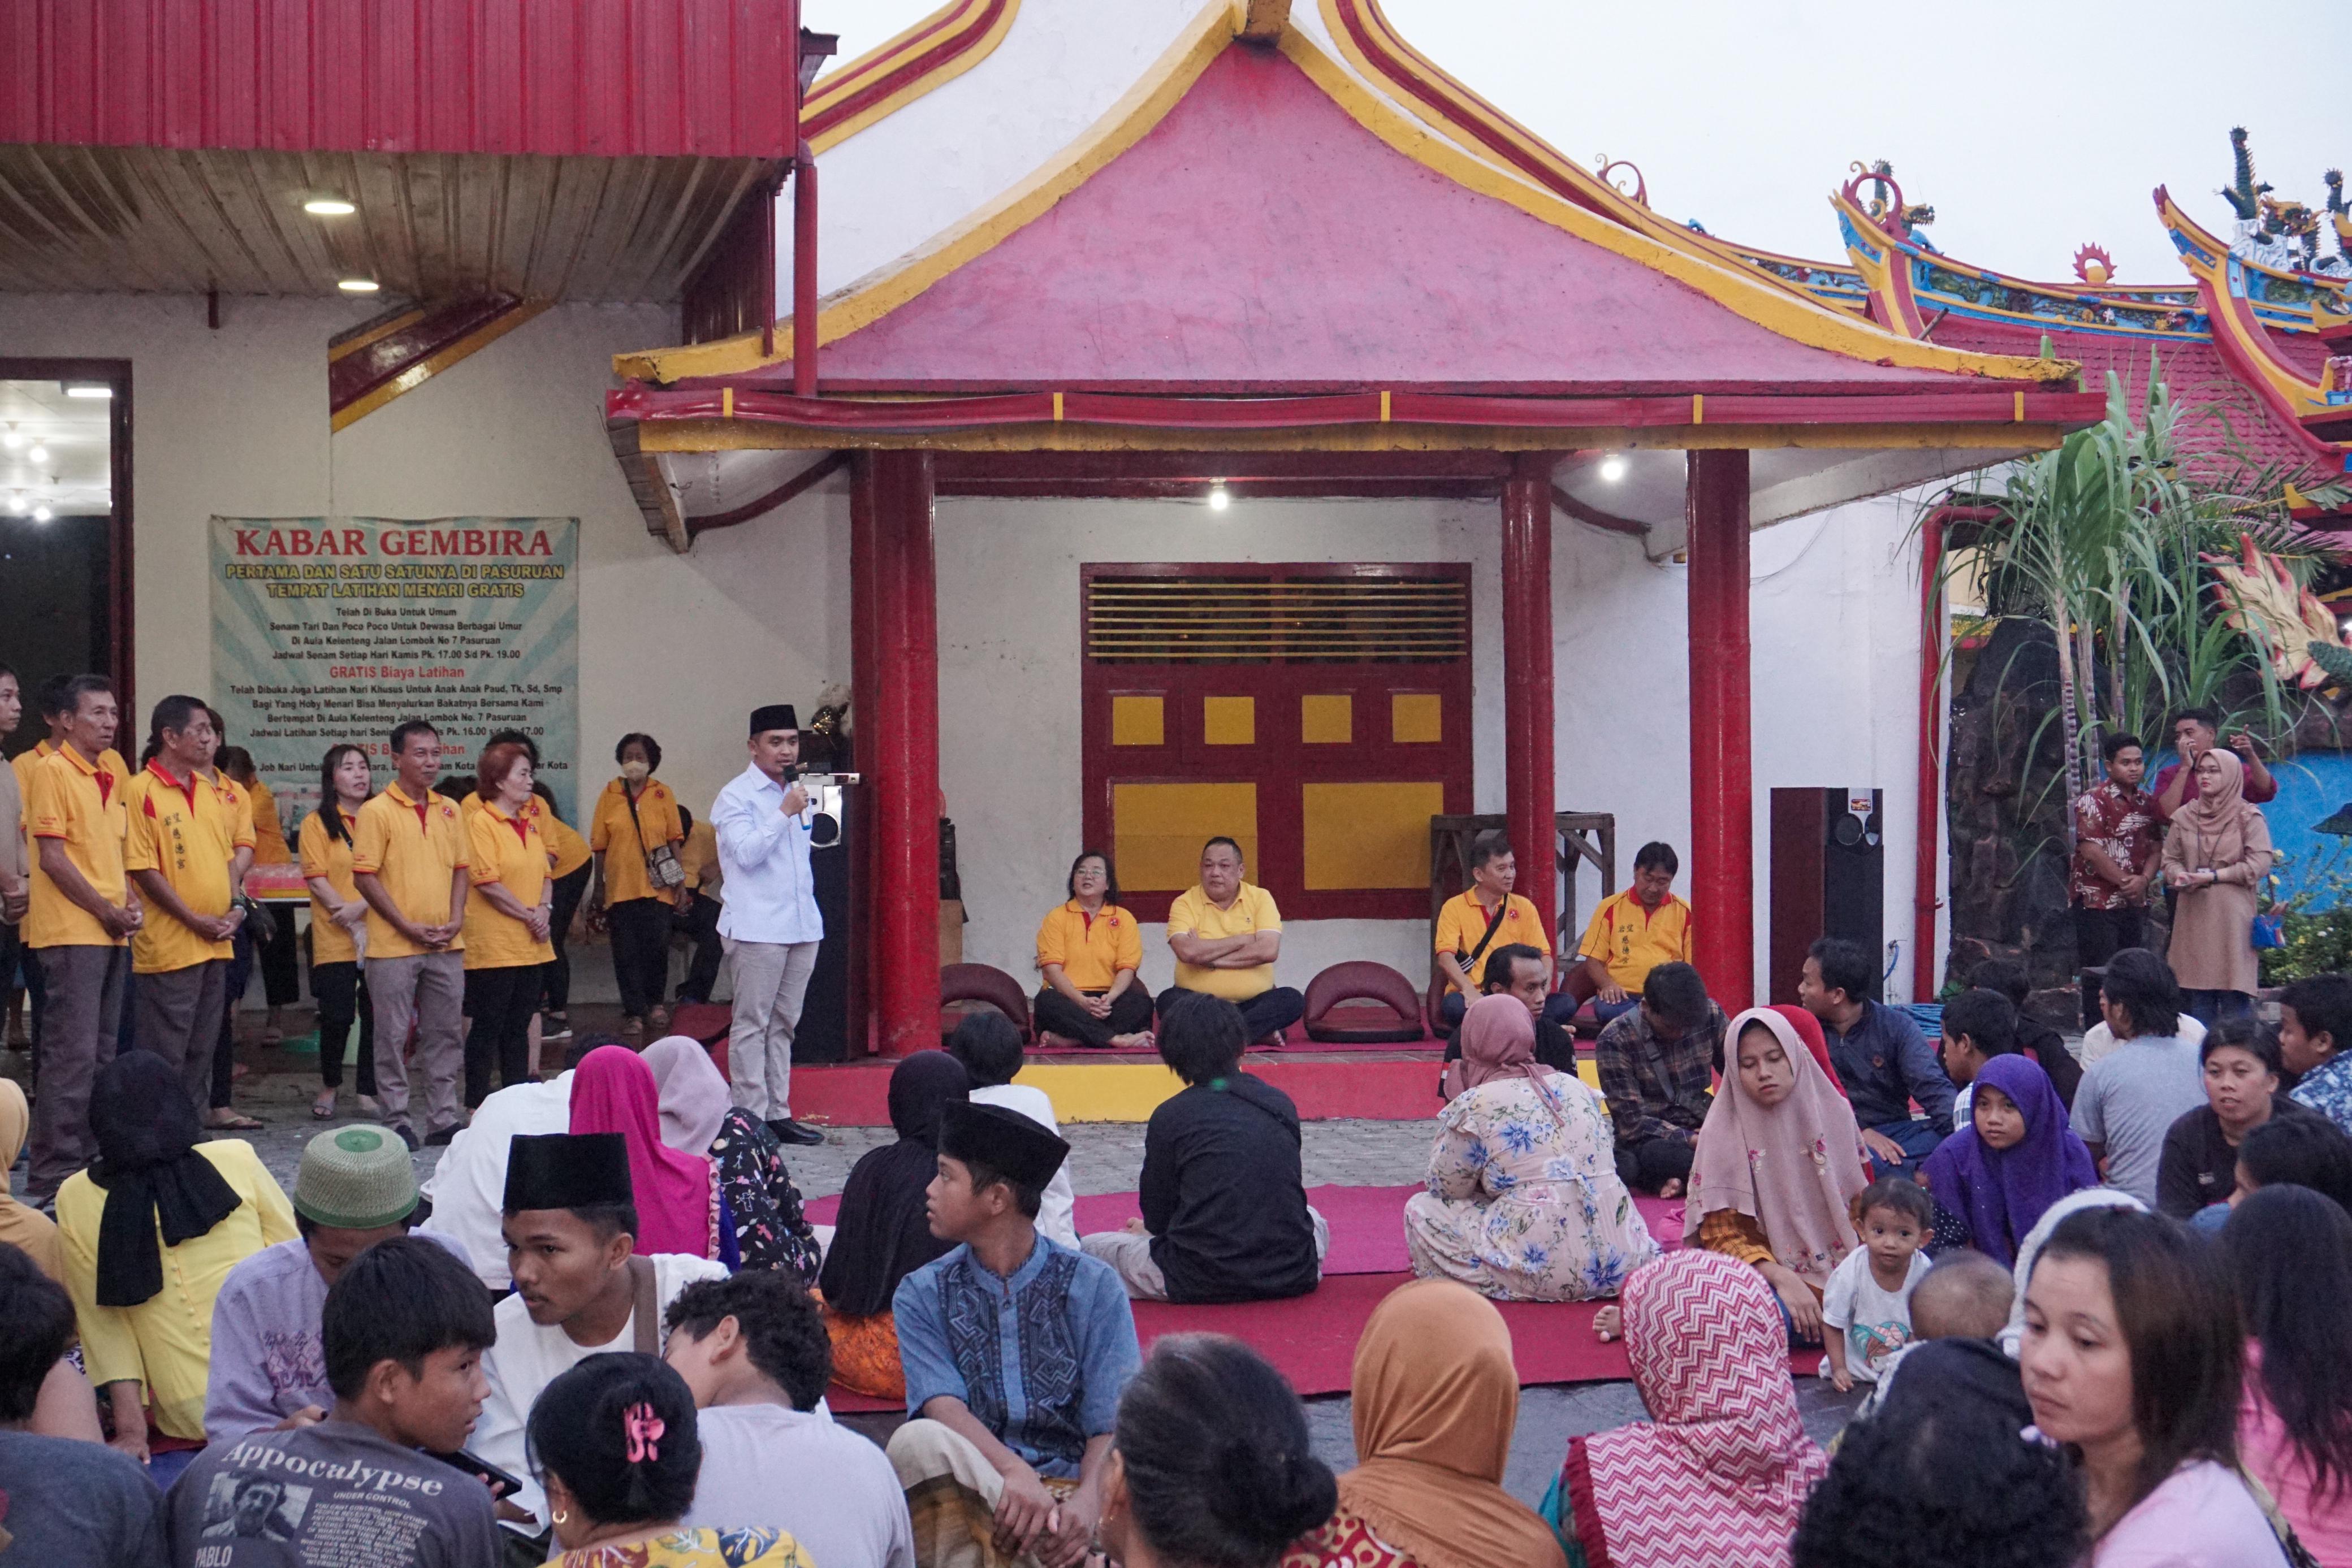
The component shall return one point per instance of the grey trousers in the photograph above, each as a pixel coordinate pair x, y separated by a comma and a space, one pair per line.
83, 1015
178, 1017
771, 981
428, 990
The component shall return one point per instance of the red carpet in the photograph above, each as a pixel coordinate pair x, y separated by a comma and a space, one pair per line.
1313, 1338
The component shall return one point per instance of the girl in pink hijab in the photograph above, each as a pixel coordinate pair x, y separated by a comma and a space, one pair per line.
677, 1202
1778, 1162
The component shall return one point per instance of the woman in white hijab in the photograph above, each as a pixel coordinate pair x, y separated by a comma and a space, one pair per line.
2031, 1249
698, 1116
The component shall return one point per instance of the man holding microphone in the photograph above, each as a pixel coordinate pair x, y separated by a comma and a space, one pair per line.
769, 924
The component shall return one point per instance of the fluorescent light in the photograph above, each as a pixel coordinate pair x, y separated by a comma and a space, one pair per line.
11, 440
39, 454
1612, 468
101, 390
42, 514
357, 286
1219, 499
329, 207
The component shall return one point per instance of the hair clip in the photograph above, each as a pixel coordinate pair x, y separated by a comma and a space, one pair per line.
645, 1430
2036, 1435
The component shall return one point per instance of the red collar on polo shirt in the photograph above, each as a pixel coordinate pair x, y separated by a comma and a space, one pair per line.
187, 787
419, 807
106, 780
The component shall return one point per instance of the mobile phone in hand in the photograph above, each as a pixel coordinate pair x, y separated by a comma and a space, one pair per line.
502, 1485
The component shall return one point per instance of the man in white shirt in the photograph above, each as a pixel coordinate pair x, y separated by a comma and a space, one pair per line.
753, 1348
769, 925
468, 1187
571, 1223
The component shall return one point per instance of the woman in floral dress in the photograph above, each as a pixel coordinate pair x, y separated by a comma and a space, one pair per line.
1523, 1201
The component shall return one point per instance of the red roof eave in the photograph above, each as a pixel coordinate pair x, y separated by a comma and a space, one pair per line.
946, 415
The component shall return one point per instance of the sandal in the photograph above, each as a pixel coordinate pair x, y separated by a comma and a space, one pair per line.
230, 1121
323, 1107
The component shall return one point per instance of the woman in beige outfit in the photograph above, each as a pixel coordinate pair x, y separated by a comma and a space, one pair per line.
2215, 857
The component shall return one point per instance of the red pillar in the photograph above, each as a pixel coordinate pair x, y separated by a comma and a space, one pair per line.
1528, 705
1723, 850
899, 743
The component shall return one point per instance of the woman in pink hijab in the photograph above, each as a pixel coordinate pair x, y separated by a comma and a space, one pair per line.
677, 1202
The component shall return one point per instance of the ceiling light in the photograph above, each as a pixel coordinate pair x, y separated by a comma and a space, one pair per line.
1612, 468
11, 440
39, 454
357, 286
42, 514
329, 207
100, 390
1219, 499
17, 504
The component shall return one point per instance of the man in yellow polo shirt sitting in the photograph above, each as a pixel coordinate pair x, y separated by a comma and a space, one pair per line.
79, 924
180, 838
1631, 934
1226, 934
409, 857
1482, 920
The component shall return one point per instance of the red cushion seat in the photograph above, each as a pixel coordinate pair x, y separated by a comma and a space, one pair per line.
988, 984
1360, 980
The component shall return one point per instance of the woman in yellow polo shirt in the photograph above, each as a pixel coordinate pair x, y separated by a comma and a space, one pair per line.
509, 910
338, 916
1090, 950
635, 816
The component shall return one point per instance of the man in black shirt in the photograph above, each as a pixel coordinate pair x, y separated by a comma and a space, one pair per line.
1225, 1200
1525, 973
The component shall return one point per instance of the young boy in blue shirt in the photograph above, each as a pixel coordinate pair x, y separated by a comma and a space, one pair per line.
1015, 1350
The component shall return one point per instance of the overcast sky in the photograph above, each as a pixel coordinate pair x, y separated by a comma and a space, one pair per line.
2032, 126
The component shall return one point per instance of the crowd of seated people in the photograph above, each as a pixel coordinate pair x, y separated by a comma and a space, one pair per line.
2103, 1313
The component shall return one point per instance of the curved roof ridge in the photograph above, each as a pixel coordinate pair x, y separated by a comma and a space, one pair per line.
893, 73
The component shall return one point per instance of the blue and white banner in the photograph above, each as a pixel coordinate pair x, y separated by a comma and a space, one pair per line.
334, 630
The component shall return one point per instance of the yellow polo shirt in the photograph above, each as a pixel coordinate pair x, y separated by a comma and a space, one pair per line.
508, 851
564, 842
110, 760
268, 829
1462, 924
325, 855
1092, 948
1630, 941
186, 830
413, 847
625, 867
79, 803
1193, 914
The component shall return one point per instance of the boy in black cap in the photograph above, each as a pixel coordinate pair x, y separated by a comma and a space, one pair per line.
1015, 1351
769, 925
580, 1287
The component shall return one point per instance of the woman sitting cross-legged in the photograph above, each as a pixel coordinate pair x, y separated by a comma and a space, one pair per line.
1719, 1473
1779, 1163
883, 1231
698, 1117
1995, 1178
1090, 952
1524, 1202
1436, 1394
614, 1444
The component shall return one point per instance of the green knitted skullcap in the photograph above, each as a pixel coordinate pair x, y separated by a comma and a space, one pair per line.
355, 1178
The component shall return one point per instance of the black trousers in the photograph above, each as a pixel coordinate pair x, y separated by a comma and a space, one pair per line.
1649, 1164
1262, 1015
702, 924
1130, 1013
341, 993
500, 1003
2099, 935
281, 964
641, 951
570, 888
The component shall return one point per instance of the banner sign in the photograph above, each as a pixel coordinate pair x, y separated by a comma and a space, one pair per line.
334, 630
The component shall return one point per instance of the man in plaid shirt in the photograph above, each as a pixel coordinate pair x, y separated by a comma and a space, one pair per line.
2118, 843
1657, 1064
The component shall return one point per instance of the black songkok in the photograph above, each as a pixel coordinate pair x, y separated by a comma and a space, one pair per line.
775, 715
1005, 1141
567, 1170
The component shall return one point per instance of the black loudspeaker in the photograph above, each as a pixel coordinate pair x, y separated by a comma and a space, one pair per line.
1829, 876
824, 1033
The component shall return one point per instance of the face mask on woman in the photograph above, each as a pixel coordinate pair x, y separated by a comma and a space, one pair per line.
636, 772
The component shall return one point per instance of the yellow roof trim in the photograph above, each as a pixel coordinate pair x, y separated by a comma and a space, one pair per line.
1139, 110
844, 80
1742, 289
